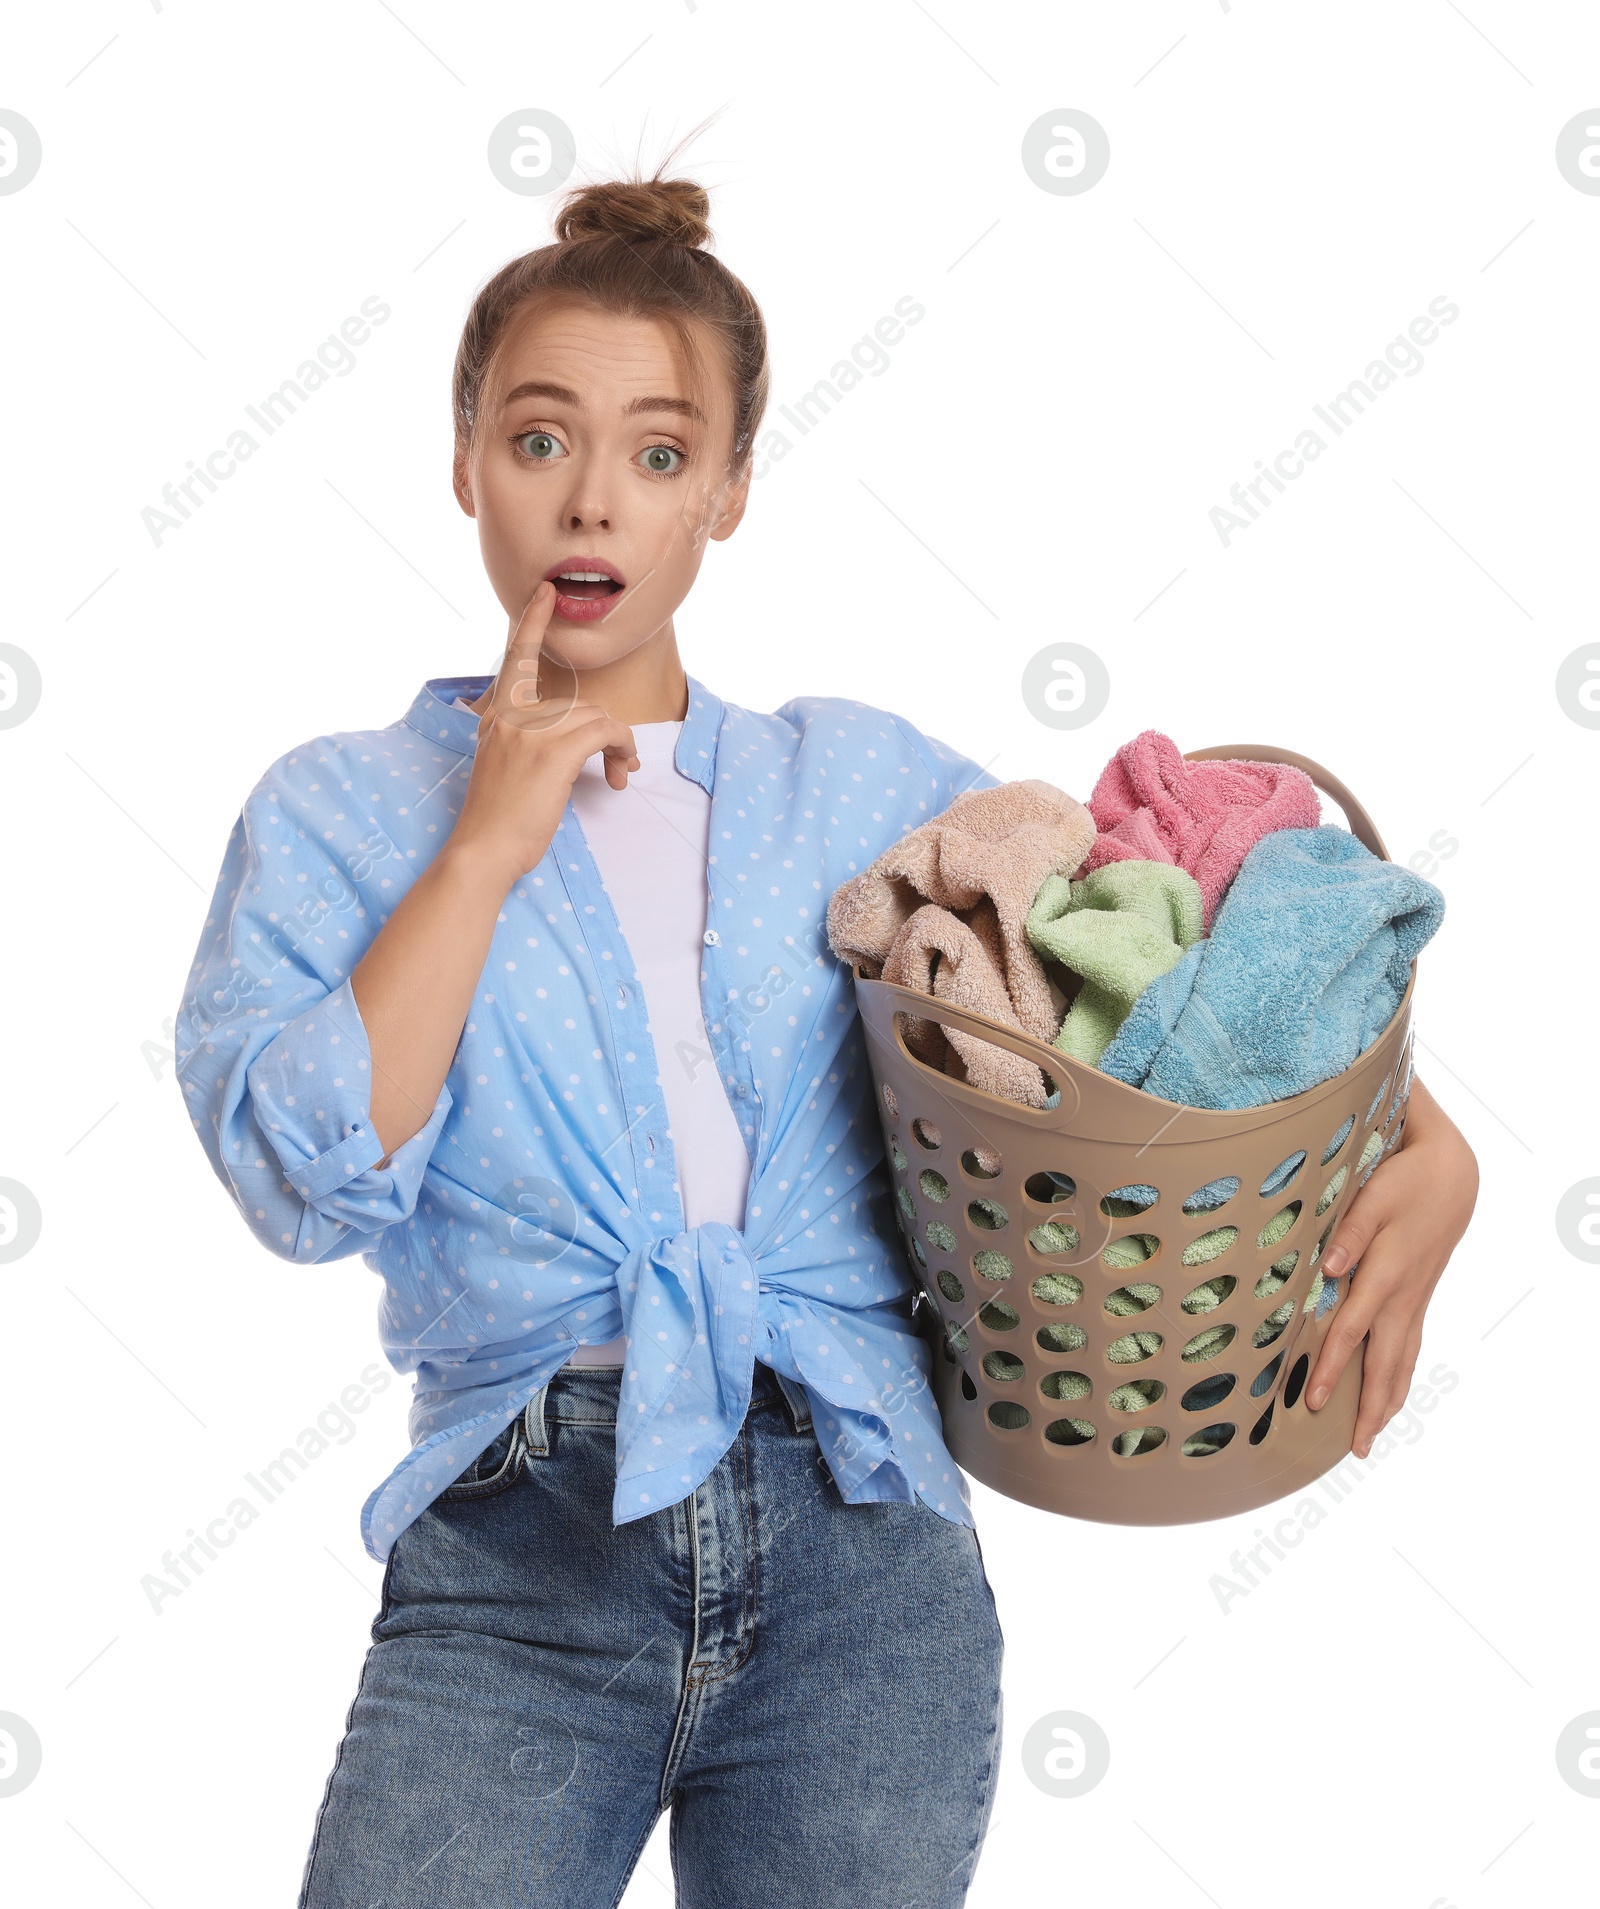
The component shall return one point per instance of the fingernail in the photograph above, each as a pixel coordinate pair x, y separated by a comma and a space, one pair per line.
1334, 1261
1316, 1396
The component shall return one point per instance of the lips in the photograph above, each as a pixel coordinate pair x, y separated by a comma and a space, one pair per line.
586, 587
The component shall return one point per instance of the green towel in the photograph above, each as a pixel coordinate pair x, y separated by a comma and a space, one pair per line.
1118, 928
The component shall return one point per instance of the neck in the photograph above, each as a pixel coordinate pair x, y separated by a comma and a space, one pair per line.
647, 685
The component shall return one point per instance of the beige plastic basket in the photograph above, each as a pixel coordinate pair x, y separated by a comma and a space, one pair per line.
1048, 1397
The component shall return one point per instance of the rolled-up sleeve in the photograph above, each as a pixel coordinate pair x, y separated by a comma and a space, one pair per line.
272, 1055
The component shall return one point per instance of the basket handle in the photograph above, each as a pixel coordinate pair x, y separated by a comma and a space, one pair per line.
1361, 824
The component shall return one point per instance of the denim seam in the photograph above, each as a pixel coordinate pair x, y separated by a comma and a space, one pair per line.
740, 1453
464, 1491
338, 1761
683, 1723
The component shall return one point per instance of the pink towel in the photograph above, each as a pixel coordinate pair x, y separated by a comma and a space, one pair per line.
1152, 805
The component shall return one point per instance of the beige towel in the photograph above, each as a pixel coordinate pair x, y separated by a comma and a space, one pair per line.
984, 859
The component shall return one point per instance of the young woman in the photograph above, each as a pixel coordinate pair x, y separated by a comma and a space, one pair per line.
526, 997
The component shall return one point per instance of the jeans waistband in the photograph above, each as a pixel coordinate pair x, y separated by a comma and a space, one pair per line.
587, 1395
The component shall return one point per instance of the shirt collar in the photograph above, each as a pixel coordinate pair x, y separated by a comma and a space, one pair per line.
435, 713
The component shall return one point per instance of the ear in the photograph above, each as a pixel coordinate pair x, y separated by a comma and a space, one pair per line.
738, 495
461, 484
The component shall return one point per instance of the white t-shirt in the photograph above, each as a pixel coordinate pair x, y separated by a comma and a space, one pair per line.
650, 842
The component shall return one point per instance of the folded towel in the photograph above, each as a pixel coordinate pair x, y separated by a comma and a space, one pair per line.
1152, 805
1304, 968
984, 859
1118, 928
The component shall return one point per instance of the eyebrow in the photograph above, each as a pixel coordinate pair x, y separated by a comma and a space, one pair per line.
559, 394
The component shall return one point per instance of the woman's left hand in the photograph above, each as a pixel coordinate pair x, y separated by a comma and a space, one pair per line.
1402, 1228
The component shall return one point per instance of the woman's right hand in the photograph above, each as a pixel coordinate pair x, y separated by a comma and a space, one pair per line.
529, 754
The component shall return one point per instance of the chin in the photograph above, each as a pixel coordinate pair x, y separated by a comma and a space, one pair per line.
578, 648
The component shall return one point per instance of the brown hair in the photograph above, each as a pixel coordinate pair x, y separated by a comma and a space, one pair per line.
633, 247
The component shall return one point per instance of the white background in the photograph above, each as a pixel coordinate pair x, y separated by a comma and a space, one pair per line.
1289, 187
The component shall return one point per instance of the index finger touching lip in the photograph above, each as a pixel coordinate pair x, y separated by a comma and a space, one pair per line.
519, 669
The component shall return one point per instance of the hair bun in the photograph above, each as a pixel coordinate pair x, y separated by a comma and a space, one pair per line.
671, 209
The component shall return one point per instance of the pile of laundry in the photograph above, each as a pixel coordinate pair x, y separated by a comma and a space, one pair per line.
1195, 931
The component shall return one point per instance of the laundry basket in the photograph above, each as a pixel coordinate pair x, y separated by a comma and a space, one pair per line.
1083, 1360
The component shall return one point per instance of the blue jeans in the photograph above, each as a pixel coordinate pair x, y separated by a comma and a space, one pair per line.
811, 1688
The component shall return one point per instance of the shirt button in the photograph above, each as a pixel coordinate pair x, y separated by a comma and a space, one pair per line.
741, 1090
711, 938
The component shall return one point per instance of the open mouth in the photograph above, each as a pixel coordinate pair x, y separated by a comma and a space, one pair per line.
586, 586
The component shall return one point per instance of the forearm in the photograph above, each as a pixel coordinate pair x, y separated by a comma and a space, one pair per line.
413, 986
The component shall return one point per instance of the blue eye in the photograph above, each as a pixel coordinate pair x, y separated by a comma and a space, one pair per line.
539, 447
655, 460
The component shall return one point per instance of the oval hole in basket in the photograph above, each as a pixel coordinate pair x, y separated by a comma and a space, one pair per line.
1377, 1098
907, 1204
1133, 1348
916, 1250
951, 1287
1278, 1274
1297, 1379
1272, 1326
968, 1389
1126, 1301
1066, 1386
926, 1134
1137, 1395
970, 1163
897, 1153
1338, 1140
890, 1102
1209, 1246
1332, 1190
1005, 1368
1207, 1344
1069, 1431
1205, 1395
940, 1237
987, 1215
1262, 1382
1280, 1223
1370, 1151
998, 1316
1133, 1249
1061, 1338
1123, 1201
1283, 1174
1009, 1414
1209, 1294
957, 1336
1215, 1193
934, 1185
1054, 1236
1049, 1187
944, 1347
988, 1264
1263, 1425
1137, 1440
1057, 1289
1207, 1441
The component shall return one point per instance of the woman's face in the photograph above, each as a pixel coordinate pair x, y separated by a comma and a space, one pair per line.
595, 459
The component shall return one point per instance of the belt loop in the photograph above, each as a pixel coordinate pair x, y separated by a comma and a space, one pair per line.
533, 1425
796, 1398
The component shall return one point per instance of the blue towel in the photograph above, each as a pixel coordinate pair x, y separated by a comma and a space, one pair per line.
1305, 965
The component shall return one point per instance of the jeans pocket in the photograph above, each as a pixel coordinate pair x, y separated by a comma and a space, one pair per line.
495, 1469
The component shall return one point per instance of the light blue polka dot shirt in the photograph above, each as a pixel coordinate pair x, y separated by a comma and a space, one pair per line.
539, 1206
